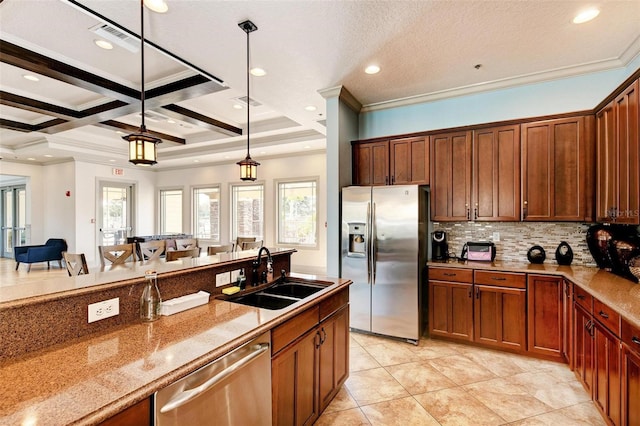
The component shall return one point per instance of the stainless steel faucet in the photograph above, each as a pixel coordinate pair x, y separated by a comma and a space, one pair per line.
256, 265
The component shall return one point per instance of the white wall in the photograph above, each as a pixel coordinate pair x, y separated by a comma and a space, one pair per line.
312, 165
60, 210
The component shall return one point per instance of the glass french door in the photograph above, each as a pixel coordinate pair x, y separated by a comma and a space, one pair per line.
116, 212
14, 218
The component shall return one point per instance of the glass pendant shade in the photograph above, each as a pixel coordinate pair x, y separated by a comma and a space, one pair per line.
142, 148
248, 169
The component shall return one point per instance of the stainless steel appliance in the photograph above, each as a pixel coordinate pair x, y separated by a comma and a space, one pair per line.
384, 253
233, 390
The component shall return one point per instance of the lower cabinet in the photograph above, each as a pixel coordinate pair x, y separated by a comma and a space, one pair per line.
630, 377
136, 415
451, 303
310, 361
606, 390
545, 315
567, 322
583, 346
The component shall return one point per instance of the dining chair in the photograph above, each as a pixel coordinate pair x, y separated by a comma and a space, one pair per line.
251, 245
227, 248
151, 250
178, 254
186, 243
76, 263
117, 254
241, 240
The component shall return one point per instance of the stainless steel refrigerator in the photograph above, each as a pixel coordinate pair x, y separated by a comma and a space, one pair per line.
384, 253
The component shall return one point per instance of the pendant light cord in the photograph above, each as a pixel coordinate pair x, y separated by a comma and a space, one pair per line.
142, 127
248, 99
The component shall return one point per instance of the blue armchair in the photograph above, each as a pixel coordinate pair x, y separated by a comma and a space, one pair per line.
51, 250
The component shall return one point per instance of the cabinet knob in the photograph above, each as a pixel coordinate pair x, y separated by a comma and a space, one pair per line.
603, 315
635, 340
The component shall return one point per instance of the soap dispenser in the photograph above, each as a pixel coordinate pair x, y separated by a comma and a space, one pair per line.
150, 301
242, 280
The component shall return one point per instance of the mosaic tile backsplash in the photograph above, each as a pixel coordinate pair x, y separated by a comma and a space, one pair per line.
516, 238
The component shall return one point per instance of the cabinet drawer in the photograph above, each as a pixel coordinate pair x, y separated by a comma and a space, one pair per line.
332, 304
582, 298
290, 330
607, 316
451, 274
630, 335
501, 279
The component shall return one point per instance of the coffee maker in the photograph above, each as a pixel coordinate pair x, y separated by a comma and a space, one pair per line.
439, 246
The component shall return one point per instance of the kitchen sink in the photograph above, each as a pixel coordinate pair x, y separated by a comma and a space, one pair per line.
279, 295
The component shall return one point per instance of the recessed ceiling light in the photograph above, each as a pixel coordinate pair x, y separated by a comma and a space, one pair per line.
30, 77
237, 106
31, 159
226, 157
586, 15
307, 147
372, 69
112, 161
170, 121
310, 108
159, 6
258, 72
263, 152
196, 161
103, 44
48, 155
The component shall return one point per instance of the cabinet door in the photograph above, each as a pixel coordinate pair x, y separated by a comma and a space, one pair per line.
583, 347
630, 387
554, 171
451, 176
544, 317
567, 322
371, 163
606, 161
333, 356
499, 317
136, 415
451, 310
626, 116
606, 390
496, 174
409, 160
294, 376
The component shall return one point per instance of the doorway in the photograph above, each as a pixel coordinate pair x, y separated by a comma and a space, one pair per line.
115, 212
14, 218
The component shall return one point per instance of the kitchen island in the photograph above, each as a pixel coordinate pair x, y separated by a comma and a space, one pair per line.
88, 379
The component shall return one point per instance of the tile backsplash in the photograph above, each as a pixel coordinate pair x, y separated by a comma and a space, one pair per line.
516, 238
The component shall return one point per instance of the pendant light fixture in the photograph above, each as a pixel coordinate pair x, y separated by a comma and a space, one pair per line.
248, 166
142, 146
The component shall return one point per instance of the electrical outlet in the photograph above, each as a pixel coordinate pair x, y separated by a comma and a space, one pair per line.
105, 309
496, 237
222, 279
234, 275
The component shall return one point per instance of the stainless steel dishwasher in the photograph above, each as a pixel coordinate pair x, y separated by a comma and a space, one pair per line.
233, 390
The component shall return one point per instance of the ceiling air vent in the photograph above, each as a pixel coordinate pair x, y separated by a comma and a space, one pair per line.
114, 35
243, 100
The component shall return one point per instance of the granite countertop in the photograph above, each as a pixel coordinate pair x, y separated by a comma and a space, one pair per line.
618, 293
88, 380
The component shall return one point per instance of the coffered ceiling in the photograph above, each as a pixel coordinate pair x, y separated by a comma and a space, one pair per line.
195, 67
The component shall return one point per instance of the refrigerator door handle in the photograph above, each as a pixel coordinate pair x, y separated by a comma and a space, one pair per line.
368, 243
374, 253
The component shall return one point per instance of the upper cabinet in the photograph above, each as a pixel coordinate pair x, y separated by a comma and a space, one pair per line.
391, 162
451, 176
557, 169
618, 158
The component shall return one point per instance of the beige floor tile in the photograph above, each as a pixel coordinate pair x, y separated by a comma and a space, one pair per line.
453, 407
391, 353
561, 372
368, 339
461, 370
508, 399
360, 359
419, 377
342, 401
400, 412
376, 385
584, 414
352, 417
500, 364
429, 349
550, 388
353, 342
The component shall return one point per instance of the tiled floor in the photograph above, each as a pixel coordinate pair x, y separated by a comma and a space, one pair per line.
441, 383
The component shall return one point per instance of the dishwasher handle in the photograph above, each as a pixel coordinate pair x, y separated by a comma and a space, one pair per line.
186, 396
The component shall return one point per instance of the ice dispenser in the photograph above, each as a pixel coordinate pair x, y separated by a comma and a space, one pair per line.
357, 232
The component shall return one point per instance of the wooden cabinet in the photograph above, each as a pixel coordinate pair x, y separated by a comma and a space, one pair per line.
583, 347
495, 193
567, 322
499, 309
451, 303
136, 415
545, 315
557, 168
606, 389
618, 158
391, 162
451, 176
630, 380
310, 361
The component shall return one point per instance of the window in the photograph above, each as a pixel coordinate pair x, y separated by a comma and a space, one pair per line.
247, 211
206, 211
171, 211
297, 212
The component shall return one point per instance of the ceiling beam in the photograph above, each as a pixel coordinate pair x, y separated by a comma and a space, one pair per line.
184, 114
36, 106
112, 124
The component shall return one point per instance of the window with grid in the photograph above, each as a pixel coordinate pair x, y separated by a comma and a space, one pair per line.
206, 212
297, 212
171, 211
247, 211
